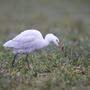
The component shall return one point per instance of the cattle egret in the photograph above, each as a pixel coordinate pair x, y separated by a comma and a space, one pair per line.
29, 41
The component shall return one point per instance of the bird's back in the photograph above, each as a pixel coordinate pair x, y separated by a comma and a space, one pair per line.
25, 40
29, 33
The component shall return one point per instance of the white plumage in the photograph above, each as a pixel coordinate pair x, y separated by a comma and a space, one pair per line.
28, 41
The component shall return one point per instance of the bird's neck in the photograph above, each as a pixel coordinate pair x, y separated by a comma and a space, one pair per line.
46, 41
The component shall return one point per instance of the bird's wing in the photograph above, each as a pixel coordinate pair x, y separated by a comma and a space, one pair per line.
24, 39
23, 42
28, 35
27, 38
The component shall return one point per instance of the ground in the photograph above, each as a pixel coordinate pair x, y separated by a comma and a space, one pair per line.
51, 69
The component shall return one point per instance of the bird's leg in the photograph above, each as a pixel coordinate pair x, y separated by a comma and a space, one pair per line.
26, 59
14, 60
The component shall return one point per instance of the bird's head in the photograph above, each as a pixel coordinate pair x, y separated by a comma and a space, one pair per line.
51, 38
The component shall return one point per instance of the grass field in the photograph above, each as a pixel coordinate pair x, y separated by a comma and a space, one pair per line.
52, 69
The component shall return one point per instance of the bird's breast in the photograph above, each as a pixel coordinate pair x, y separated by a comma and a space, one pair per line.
40, 44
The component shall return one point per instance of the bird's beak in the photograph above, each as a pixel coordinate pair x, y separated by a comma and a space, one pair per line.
61, 46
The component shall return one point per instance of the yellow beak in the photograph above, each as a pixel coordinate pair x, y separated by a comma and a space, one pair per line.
61, 46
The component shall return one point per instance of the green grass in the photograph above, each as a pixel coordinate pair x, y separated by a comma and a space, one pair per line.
52, 69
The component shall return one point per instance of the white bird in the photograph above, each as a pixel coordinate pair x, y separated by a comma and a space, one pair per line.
29, 41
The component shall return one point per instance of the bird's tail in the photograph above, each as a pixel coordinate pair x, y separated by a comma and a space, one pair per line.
9, 44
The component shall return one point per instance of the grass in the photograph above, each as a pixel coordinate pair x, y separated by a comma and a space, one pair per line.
52, 69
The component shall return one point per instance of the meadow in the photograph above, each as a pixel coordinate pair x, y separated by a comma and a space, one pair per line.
52, 69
